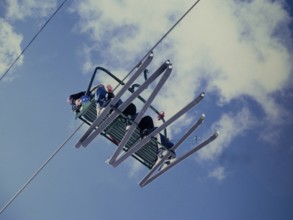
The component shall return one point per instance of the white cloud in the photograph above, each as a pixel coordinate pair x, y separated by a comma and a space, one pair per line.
230, 126
9, 47
235, 47
249, 59
218, 173
228, 41
121, 29
21, 9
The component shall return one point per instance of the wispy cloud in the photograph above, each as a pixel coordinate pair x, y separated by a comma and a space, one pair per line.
9, 46
219, 173
21, 9
230, 127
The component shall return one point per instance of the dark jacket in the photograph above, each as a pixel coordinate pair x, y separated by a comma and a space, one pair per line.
75, 96
72, 98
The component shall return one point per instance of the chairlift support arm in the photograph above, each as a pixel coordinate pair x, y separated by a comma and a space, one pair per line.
182, 139
178, 160
146, 139
167, 68
142, 67
114, 114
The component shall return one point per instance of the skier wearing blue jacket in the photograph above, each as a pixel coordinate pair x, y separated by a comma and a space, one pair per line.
102, 98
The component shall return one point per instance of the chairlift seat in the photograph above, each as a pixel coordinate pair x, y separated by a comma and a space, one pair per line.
147, 155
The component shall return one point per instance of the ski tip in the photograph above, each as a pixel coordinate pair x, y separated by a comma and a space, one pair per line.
107, 161
142, 184
78, 144
203, 116
202, 94
217, 133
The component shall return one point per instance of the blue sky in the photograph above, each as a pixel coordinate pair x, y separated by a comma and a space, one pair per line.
238, 52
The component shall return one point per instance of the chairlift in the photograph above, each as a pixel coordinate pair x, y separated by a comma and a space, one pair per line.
111, 123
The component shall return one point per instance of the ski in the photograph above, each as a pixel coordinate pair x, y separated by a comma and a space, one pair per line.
178, 160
